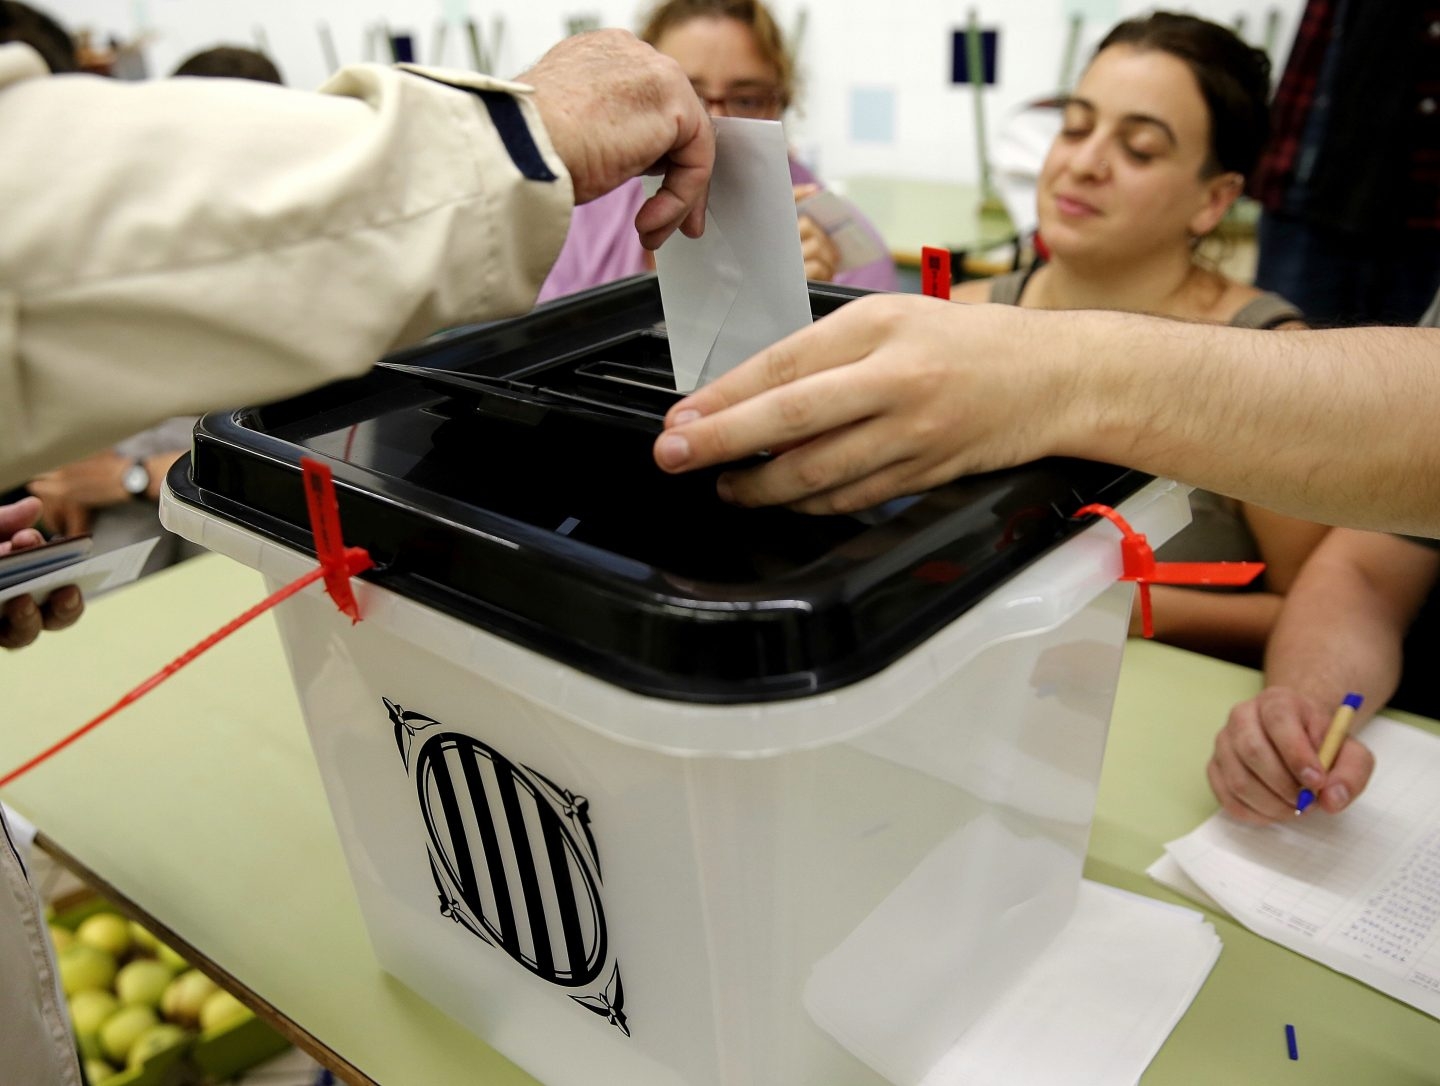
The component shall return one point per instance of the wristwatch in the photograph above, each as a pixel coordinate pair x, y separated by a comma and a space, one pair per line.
136, 480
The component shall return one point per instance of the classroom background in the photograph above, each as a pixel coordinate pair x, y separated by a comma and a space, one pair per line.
877, 95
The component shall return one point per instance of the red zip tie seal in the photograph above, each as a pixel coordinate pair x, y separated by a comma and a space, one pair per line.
935, 277
335, 557
1137, 561
338, 564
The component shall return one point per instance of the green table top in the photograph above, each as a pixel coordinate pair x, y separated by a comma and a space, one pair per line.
201, 805
911, 213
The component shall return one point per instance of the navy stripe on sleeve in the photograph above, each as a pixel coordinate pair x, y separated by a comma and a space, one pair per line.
509, 121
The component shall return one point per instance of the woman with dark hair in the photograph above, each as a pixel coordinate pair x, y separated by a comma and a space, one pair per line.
1155, 144
735, 55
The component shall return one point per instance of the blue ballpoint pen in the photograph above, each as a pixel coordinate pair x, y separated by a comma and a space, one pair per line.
1334, 736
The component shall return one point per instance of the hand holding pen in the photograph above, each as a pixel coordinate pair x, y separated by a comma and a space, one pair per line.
1269, 751
1330, 746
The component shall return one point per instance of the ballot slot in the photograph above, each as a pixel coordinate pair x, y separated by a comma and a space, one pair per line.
626, 382
567, 447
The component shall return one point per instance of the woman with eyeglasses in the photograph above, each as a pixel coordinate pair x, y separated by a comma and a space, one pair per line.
735, 56
1154, 146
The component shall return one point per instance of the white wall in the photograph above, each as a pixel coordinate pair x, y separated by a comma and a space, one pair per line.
902, 46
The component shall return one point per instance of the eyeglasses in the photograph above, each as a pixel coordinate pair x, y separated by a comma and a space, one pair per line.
758, 104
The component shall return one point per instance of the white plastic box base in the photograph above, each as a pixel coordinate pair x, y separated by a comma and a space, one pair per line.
611, 888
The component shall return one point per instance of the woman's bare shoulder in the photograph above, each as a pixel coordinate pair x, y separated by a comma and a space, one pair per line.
971, 291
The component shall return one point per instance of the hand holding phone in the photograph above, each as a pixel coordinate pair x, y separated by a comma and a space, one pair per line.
22, 565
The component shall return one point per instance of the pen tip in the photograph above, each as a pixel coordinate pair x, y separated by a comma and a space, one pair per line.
1303, 800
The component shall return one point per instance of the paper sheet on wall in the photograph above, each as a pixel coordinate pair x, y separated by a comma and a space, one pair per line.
740, 286
1359, 891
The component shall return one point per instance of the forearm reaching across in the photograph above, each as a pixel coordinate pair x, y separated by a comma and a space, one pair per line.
894, 394
1338, 426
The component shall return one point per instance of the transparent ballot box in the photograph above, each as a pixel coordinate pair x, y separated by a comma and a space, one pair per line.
645, 788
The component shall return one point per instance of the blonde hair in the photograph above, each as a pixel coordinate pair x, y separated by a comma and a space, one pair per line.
750, 13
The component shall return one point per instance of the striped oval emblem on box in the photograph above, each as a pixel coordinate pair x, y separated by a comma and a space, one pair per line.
513, 858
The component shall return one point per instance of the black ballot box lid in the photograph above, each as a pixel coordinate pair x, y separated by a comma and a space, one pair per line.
503, 474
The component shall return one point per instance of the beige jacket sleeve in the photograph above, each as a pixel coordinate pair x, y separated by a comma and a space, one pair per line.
182, 245
35, 1038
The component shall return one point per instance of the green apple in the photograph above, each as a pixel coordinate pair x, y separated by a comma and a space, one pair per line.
142, 982
83, 966
143, 938
185, 995
61, 938
97, 1071
170, 957
105, 931
221, 1009
88, 1011
121, 1029
153, 1041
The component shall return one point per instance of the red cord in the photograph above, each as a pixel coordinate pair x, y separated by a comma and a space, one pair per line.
338, 564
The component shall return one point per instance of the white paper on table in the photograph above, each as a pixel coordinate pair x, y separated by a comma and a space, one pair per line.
740, 286
840, 220
1097, 1005
1167, 872
1358, 891
92, 576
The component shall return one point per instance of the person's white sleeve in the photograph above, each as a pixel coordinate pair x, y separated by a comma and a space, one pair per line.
186, 244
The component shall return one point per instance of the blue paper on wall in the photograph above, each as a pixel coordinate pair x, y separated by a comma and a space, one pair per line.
872, 114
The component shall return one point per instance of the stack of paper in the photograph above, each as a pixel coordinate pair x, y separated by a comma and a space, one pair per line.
1358, 891
1097, 1005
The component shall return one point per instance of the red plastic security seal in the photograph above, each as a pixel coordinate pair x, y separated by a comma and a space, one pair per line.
1138, 564
338, 564
935, 275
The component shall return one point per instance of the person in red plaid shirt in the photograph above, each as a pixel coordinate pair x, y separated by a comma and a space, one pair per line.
1350, 184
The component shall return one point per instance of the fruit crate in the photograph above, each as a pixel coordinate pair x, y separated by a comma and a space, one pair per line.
203, 1057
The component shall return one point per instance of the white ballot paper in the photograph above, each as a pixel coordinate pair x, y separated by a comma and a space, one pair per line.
740, 286
1358, 891
1097, 1005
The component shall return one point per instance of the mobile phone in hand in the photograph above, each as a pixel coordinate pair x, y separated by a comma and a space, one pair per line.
18, 566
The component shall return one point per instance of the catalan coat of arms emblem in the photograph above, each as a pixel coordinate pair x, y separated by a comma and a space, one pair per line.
513, 859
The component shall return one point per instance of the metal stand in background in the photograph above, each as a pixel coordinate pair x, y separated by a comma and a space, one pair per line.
1072, 50
579, 24
990, 202
797, 34
1272, 37
485, 55
327, 46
